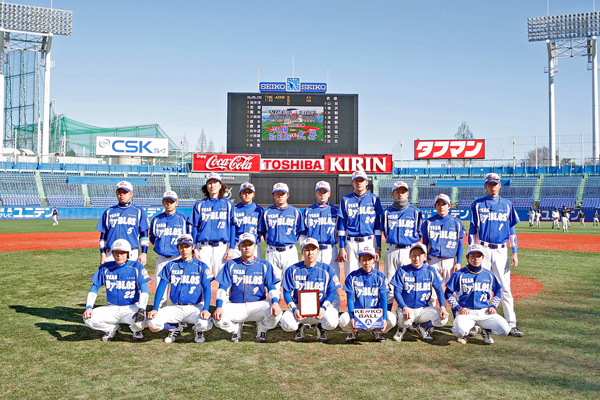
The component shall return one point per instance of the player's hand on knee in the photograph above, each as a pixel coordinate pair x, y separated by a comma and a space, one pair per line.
443, 313
491, 310
142, 258
87, 314
321, 313
406, 313
275, 309
152, 314
205, 314
298, 316
463, 311
218, 314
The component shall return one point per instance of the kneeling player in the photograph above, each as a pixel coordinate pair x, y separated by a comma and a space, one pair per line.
310, 275
124, 280
366, 288
190, 294
413, 285
478, 292
245, 279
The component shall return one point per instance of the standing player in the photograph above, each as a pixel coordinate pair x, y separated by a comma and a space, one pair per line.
359, 223
581, 217
281, 225
213, 225
493, 221
401, 223
538, 218
244, 285
248, 215
477, 292
124, 221
190, 294
413, 285
565, 214
442, 234
555, 217
595, 218
165, 229
126, 284
310, 275
366, 288
321, 224
531, 215
54, 216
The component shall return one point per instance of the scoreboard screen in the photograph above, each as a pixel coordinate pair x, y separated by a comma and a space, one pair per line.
292, 124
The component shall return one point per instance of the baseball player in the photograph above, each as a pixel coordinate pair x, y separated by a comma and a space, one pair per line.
165, 229
565, 213
401, 224
126, 285
555, 217
281, 225
244, 285
473, 292
124, 221
531, 215
54, 216
214, 225
493, 221
581, 217
595, 218
359, 222
442, 234
190, 294
310, 274
321, 224
413, 285
366, 288
538, 218
248, 215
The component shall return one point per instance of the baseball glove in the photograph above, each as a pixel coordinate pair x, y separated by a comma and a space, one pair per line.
140, 315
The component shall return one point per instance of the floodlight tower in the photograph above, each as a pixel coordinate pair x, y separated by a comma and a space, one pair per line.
569, 35
29, 28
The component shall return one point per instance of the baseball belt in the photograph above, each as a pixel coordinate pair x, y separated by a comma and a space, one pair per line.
281, 248
212, 244
492, 245
398, 246
360, 239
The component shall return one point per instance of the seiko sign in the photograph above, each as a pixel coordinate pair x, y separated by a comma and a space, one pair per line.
292, 85
226, 162
137, 147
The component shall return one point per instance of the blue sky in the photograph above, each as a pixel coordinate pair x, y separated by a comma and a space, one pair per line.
420, 68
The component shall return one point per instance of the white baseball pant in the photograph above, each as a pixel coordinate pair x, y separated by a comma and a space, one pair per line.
353, 246
55, 220
329, 322
235, 314
496, 260
161, 262
565, 224
175, 314
133, 255
106, 318
555, 223
395, 257
327, 255
281, 260
213, 256
595, 221
463, 323
345, 322
582, 221
420, 316
443, 267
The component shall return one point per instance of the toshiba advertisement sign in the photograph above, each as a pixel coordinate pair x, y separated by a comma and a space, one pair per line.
449, 149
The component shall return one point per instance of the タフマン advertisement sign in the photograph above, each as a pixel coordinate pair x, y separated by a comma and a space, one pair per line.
127, 146
449, 149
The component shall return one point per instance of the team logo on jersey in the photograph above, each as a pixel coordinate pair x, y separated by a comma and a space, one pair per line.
145, 273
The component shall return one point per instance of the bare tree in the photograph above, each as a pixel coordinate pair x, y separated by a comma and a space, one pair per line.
184, 143
201, 144
543, 154
211, 146
463, 133
222, 150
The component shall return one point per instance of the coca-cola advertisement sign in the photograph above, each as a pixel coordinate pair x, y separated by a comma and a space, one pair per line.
226, 163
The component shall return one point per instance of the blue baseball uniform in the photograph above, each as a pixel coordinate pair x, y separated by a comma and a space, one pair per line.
475, 289
443, 238
493, 221
319, 277
359, 225
164, 231
249, 284
124, 221
248, 217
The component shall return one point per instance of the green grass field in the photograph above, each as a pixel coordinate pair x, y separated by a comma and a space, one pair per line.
47, 352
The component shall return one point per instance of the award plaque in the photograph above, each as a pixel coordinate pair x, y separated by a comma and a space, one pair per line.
368, 318
308, 303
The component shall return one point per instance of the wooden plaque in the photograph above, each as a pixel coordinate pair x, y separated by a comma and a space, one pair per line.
308, 303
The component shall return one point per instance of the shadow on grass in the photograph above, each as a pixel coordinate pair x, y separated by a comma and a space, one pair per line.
68, 314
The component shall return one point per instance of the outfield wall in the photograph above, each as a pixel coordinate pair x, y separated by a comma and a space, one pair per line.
96, 213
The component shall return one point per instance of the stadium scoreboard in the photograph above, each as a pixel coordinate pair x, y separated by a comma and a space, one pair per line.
292, 124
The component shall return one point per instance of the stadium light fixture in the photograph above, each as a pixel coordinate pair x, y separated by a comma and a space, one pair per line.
38, 20
566, 36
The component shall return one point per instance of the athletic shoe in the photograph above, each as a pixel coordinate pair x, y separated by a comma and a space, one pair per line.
320, 332
261, 337
515, 332
300, 333
413, 328
173, 333
137, 336
351, 337
462, 340
474, 331
236, 337
424, 333
487, 336
378, 336
199, 337
108, 336
399, 334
